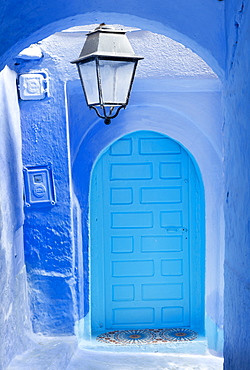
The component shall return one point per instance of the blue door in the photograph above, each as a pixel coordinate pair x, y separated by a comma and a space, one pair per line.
140, 235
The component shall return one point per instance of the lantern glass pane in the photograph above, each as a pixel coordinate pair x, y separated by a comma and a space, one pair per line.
115, 79
89, 80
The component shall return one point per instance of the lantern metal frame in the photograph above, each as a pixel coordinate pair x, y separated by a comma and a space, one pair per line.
106, 44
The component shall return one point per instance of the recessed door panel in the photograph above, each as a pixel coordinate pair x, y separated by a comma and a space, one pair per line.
140, 245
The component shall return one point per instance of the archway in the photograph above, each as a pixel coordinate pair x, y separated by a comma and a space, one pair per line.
205, 152
208, 42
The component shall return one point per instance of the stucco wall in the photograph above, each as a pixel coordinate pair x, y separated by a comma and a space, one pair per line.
48, 229
14, 312
236, 195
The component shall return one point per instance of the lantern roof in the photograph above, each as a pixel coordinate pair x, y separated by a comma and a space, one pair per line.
106, 41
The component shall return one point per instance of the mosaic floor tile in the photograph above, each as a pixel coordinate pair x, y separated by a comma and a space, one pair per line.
147, 336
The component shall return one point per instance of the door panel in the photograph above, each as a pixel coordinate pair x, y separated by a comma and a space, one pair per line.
140, 221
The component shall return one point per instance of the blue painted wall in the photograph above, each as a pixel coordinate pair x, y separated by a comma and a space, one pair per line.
49, 234
237, 179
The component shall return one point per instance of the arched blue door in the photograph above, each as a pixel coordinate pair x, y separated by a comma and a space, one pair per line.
144, 264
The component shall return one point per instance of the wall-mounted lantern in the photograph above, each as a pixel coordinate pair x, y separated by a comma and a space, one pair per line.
106, 66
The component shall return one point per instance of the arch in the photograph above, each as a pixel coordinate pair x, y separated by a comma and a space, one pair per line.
211, 49
206, 153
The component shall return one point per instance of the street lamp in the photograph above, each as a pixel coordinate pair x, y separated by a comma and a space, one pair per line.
106, 66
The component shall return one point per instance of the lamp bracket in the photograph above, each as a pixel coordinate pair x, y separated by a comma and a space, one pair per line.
107, 117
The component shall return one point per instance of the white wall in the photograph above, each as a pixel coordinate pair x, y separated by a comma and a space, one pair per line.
14, 313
